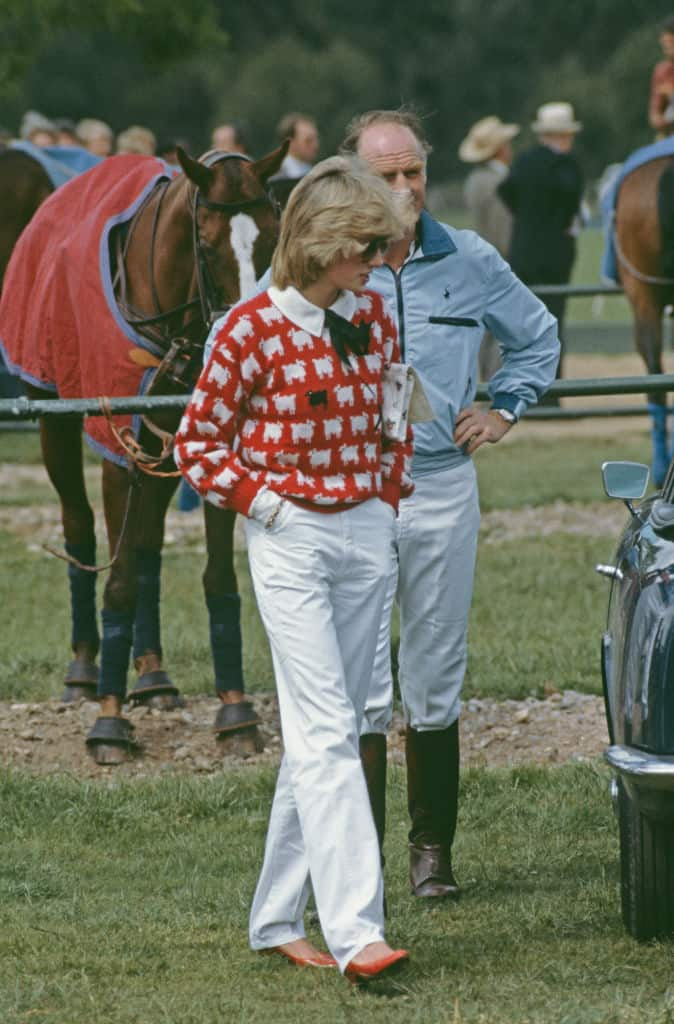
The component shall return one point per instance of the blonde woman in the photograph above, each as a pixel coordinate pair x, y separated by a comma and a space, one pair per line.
285, 427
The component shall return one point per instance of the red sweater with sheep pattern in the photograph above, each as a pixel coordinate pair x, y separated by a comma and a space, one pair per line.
276, 407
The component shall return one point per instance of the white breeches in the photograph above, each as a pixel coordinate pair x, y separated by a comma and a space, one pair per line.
320, 583
436, 536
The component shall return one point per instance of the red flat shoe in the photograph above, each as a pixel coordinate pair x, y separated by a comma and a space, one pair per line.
359, 973
318, 959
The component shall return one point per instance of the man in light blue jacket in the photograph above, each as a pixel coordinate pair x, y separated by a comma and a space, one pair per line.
444, 287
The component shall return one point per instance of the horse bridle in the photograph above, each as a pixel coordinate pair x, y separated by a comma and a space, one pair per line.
207, 292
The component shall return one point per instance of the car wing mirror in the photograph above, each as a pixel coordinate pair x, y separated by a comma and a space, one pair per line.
625, 480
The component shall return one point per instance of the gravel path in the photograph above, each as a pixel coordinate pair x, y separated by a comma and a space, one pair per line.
48, 737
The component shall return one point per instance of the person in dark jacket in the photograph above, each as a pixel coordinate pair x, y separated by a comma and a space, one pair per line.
544, 191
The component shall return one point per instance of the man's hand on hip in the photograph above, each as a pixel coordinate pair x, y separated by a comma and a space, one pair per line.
474, 428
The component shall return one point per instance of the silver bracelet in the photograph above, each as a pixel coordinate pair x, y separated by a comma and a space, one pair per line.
272, 518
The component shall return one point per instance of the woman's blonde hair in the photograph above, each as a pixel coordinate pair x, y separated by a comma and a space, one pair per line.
334, 212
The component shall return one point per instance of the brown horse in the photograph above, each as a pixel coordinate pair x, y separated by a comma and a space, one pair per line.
646, 278
25, 185
191, 245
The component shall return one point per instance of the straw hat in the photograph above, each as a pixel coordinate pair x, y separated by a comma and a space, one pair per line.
486, 138
556, 119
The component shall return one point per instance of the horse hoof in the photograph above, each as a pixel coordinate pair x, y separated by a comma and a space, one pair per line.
79, 691
242, 743
81, 681
161, 701
236, 730
111, 740
106, 753
155, 690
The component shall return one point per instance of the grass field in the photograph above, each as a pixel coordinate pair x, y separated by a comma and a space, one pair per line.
127, 904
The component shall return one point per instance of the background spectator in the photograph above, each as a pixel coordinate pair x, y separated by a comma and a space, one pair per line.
228, 138
96, 136
38, 129
304, 142
488, 146
137, 139
544, 190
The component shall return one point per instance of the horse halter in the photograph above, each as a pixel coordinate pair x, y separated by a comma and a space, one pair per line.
208, 292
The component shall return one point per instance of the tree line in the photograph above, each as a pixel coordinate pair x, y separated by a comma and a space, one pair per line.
182, 70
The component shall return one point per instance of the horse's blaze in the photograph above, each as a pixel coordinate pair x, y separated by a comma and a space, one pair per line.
243, 232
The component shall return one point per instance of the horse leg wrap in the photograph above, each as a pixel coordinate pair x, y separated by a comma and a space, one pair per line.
659, 441
115, 650
146, 629
83, 596
224, 613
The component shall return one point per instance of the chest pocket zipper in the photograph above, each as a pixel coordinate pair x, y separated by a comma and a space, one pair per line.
454, 321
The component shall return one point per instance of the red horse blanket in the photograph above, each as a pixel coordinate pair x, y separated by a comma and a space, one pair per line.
60, 327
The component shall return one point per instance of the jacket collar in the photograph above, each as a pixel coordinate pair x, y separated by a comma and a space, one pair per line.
305, 314
435, 240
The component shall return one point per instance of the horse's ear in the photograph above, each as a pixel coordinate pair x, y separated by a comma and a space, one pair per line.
269, 164
201, 175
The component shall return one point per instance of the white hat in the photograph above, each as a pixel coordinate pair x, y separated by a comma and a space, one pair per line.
486, 138
32, 122
556, 119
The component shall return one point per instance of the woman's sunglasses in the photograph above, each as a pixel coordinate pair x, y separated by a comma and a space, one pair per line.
376, 245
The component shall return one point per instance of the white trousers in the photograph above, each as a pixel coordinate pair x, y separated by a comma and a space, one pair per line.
320, 583
436, 540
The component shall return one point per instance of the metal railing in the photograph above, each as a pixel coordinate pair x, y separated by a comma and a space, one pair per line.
21, 409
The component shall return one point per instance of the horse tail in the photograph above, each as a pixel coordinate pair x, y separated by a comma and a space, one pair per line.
666, 218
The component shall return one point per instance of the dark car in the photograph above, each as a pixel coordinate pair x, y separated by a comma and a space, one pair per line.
638, 674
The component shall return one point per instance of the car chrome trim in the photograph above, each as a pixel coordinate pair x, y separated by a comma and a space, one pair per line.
611, 571
651, 770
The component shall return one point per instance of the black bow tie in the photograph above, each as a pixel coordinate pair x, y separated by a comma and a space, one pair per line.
345, 335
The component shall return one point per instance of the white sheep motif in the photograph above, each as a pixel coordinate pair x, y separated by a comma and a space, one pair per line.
302, 431
349, 454
273, 432
332, 428
221, 412
344, 395
323, 367
218, 373
320, 457
272, 346
294, 372
285, 403
301, 340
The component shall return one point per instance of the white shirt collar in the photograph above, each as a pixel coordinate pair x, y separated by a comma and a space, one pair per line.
305, 314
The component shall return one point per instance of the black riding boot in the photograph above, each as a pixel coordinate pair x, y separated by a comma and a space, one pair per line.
432, 798
373, 759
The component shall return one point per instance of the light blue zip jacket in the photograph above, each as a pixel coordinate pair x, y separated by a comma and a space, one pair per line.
442, 300
454, 287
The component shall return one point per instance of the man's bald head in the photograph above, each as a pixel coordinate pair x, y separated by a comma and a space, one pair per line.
393, 144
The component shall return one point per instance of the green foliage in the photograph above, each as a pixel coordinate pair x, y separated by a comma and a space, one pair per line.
161, 31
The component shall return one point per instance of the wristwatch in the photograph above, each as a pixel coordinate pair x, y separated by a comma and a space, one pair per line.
507, 415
